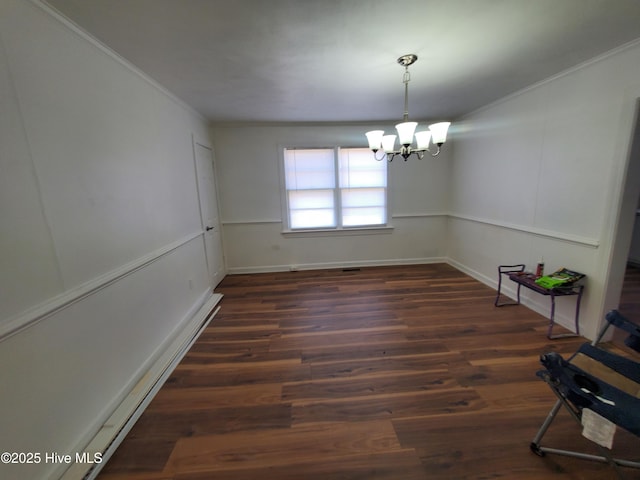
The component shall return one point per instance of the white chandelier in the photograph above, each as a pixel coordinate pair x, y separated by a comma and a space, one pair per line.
437, 132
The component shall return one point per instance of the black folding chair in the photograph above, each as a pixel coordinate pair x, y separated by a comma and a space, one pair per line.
598, 380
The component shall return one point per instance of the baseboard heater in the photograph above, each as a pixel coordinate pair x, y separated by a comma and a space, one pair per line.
116, 428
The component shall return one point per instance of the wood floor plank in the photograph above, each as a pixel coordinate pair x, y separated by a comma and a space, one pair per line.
388, 406
242, 373
519, 369
141, 457
350, 337
191, 423
515, 395
366, 385
386, 349
331, 322
214, 354
280, 446
404, 465
204, 398
403, 372
227, 349
505, 353
390, 365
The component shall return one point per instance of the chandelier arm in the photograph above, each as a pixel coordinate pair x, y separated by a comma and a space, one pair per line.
375, 155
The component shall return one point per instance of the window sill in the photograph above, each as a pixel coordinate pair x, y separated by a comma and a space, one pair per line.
332, 232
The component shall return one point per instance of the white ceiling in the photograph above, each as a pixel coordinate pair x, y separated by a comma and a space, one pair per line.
335, 60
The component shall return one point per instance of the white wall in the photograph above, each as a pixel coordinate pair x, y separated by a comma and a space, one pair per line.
251, 207
102, 260
542, 173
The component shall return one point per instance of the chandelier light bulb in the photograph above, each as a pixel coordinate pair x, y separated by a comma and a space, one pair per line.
405, 132
375, 139
388, 142
422, 139
439, 132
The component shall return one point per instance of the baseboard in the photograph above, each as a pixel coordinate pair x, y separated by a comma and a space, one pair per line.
540, 307
491, 282
113, 431
330, 265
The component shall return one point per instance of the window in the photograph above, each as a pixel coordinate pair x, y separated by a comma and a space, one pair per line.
329, 188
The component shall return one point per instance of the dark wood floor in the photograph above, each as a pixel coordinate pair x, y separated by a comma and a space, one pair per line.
385, 373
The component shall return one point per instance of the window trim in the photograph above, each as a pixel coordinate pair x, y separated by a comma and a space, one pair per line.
330, 232
387, 227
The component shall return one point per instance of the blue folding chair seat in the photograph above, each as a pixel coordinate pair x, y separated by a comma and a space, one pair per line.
599, 380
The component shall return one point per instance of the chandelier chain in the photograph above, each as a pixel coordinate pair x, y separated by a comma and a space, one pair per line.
406, 78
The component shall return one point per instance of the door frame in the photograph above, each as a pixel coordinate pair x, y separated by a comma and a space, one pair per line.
623, 212
195, 142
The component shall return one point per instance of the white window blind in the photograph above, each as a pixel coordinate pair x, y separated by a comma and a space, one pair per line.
334, 188
363, 188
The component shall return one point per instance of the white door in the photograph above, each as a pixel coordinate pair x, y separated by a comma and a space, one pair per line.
209, 213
